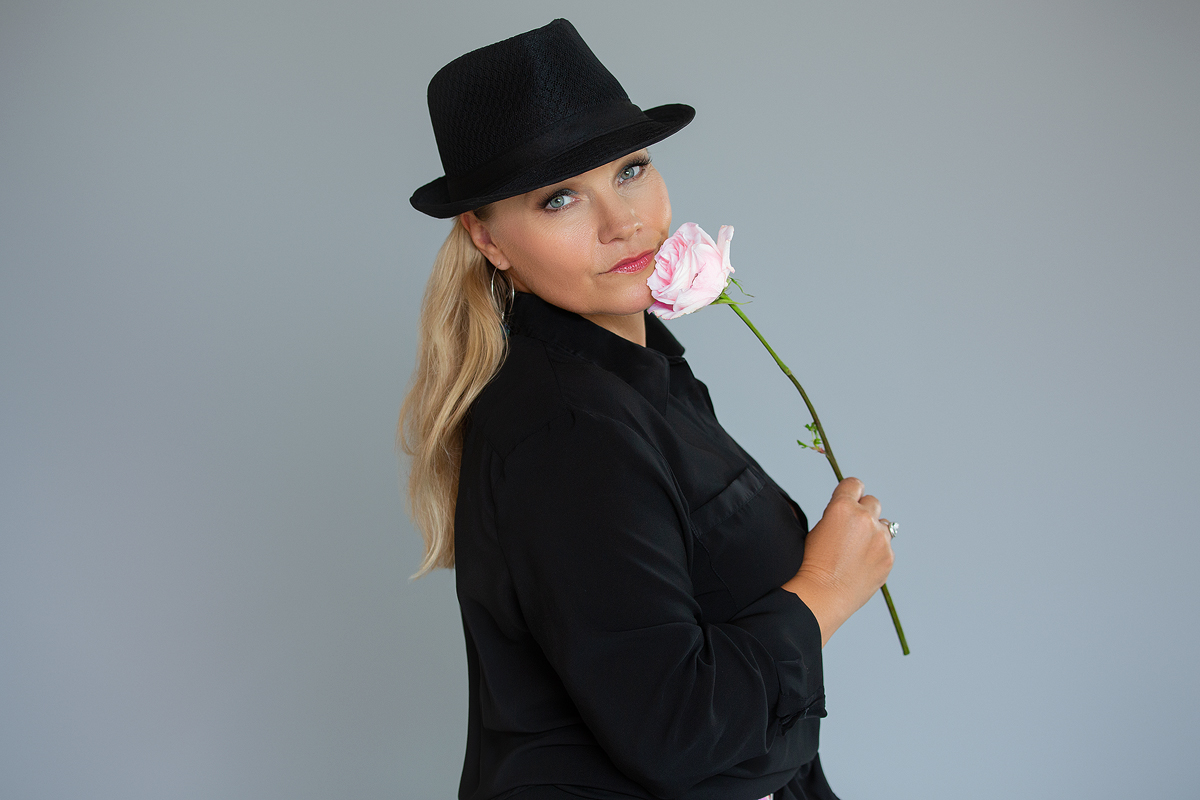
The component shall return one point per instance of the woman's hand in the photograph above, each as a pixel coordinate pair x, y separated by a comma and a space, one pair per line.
847, 557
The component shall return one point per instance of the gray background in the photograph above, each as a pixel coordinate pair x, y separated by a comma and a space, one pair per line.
972, 230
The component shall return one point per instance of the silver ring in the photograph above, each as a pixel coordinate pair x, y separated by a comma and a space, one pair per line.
893, 527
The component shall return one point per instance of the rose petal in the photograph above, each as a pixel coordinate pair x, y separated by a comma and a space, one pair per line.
690, 271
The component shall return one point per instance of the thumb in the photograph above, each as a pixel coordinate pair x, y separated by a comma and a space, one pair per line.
849, 489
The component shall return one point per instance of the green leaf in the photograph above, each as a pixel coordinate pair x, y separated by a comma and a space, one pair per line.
735, 282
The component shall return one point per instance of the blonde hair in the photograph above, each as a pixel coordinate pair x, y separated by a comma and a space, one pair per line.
461, 347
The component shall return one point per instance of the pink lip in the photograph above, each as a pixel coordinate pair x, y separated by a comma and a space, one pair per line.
635, 264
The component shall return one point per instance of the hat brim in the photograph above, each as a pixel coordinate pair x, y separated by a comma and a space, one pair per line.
434, 199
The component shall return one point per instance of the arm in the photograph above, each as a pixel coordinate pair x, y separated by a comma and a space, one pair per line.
596, 536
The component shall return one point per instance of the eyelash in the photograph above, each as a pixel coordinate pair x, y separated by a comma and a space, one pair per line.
640, 161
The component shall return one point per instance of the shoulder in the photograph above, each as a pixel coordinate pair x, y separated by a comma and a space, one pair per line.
541, 388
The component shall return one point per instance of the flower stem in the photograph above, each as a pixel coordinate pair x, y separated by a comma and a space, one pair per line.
787, 371
725, 300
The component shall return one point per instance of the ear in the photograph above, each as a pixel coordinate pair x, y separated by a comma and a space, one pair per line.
482, 238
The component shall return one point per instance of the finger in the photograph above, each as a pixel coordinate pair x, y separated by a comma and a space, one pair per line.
848, 489
871, 504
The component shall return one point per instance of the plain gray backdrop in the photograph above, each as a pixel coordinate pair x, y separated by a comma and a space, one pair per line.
971, 228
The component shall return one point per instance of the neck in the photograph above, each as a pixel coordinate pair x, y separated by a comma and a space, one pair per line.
627, 326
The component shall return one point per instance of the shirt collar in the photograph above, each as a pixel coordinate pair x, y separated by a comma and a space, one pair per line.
647, 369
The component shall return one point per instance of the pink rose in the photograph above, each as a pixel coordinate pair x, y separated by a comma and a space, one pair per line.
690, 271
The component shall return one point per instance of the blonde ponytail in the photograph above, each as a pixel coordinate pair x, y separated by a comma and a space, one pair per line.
461, 346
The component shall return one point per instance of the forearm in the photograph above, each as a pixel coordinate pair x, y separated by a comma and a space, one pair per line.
825, 601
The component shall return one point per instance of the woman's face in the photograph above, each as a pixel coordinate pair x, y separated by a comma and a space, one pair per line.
586, 244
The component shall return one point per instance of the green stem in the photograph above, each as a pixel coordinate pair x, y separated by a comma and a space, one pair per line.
787, 371
887, 596
725, 299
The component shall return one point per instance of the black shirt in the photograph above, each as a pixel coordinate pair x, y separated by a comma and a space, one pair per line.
619, 559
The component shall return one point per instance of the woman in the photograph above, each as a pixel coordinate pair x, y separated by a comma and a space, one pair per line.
644, 608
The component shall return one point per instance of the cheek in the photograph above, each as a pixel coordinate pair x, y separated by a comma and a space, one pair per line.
658, 210
526, 241
550, 255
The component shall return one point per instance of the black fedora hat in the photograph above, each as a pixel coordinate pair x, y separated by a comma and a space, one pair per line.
528, 112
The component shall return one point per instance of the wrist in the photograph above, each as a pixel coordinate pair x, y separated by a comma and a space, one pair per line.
823, 599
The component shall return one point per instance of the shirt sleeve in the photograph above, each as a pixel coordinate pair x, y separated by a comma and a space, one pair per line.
595, 532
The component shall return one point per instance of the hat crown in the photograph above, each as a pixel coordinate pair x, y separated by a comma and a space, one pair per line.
492, 100
527, 112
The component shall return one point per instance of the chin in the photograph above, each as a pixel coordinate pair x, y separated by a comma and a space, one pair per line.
639, 301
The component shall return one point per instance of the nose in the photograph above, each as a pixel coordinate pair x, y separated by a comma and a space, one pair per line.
618, 217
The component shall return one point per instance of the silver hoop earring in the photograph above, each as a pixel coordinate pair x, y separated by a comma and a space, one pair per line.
503, 306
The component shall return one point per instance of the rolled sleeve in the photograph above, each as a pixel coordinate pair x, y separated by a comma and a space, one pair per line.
787, 629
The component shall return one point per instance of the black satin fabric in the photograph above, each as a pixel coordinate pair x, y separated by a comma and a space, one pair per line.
619, 559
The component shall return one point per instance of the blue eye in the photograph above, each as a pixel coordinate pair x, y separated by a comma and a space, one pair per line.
632, 171
559, 200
